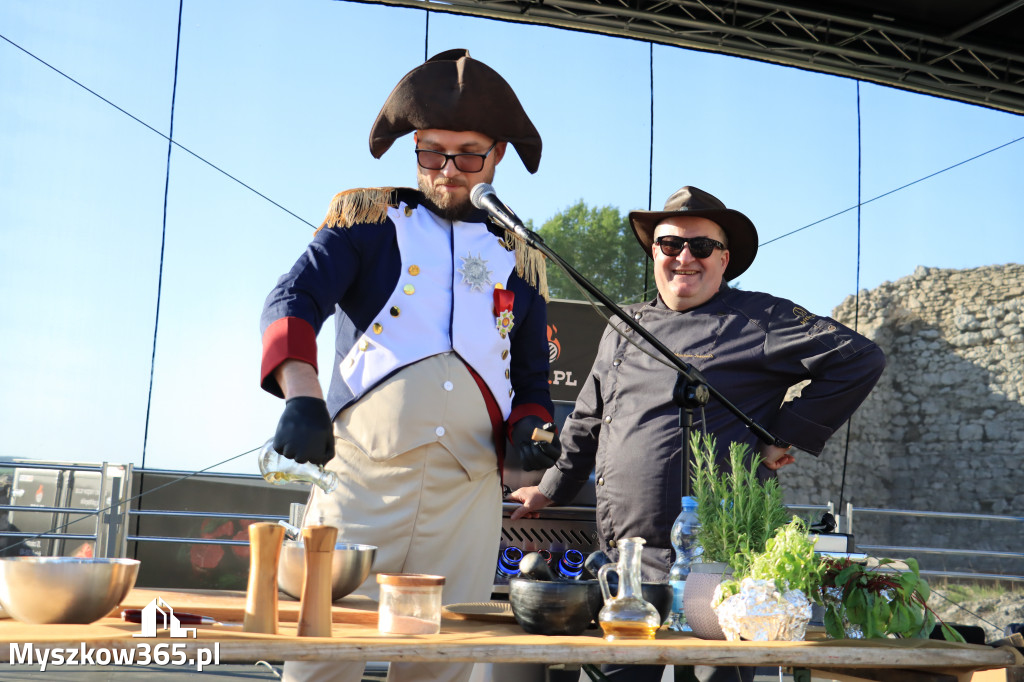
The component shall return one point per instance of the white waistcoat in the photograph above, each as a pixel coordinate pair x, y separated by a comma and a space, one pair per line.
443, 301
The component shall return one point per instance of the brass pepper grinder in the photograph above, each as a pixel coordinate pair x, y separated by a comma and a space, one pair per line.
315, 609
261, 597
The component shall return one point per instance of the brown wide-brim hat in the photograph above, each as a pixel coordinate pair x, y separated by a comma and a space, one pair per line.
696, 203
453, 91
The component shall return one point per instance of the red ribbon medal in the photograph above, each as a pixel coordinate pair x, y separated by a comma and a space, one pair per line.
503, 300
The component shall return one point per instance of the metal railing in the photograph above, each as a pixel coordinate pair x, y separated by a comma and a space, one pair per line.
111, 484
945, 552
113, 522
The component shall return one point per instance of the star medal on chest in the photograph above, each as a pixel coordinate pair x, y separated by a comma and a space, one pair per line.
474, 272
503, 300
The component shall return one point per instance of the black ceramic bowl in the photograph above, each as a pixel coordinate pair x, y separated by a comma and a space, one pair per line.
544, 607
660, 596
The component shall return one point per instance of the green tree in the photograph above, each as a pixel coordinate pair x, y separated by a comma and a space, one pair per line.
599, 244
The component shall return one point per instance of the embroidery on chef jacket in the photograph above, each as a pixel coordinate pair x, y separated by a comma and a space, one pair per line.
474, 272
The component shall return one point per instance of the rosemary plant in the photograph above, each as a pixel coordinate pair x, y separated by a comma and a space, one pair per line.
738, 513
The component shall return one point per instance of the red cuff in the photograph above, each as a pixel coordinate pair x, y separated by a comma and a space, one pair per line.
525, 410
289, 338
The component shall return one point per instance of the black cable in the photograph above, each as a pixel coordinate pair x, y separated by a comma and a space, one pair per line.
163, 243
856, 300
163, 237
426, 37
965, 609
151, 128
893, 191
650, 169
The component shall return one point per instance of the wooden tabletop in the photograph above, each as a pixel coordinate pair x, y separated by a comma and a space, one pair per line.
355, 637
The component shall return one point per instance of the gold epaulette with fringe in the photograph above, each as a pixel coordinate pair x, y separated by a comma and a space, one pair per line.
362, 205
370, 205
530, 264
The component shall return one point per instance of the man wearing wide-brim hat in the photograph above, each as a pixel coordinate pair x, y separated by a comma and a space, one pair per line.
440, 347
750, 346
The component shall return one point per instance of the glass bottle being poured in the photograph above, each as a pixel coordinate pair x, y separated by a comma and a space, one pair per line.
277, 469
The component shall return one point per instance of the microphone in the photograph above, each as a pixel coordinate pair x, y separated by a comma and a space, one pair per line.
484, 198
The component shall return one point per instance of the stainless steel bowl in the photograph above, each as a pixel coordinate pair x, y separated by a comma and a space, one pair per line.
350, 565
64, 589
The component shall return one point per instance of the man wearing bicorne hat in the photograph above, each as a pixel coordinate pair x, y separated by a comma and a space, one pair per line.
440, 347
750, 346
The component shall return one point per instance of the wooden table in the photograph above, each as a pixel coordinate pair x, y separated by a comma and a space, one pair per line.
355, 637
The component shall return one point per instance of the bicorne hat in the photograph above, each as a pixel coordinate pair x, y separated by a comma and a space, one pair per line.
693, 202
453, 91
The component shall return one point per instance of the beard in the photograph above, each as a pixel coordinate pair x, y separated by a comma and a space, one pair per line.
445, 204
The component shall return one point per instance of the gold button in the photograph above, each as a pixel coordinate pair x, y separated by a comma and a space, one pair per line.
611, 543
498, 285
510, 393
395, 311
414, 270
408, 211
409, 289
377, 328
506, 374
504, 354
364, 344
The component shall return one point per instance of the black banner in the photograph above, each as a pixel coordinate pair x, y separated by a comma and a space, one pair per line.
574, 332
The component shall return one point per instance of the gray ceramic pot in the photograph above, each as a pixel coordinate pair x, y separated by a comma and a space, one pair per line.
700, 589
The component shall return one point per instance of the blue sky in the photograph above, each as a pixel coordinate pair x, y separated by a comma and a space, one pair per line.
282, 95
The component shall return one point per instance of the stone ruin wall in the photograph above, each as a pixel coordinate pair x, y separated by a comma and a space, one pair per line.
944, 428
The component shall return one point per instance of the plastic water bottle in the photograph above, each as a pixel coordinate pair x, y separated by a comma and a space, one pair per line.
571, 565
508, 564
277, 469
684, 541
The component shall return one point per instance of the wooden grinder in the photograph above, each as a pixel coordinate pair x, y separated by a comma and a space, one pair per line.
261, 596
315, 609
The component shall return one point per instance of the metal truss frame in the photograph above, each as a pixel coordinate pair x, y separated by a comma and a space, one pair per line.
874, 48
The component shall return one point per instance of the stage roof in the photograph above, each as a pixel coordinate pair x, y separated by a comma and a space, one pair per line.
966, 50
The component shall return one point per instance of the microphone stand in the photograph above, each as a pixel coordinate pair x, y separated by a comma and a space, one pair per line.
691, 389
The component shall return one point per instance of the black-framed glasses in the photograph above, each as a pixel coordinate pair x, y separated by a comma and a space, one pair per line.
700, 247
467, 162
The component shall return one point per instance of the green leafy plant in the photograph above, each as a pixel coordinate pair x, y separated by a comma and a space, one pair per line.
878, 599
788, 560
737, 512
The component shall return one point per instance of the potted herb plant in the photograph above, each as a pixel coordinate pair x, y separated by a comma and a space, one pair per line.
878, 598
738, 514
771, 598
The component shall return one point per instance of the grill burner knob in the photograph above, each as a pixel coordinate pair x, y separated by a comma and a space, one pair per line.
535, 567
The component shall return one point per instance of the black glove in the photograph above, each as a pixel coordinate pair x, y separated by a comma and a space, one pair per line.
534, 454
305, 433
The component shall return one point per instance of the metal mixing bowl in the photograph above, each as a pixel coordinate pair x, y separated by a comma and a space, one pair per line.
350, 565
64, 589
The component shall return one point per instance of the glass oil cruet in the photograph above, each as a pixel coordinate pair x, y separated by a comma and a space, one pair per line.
278, 469
628, 615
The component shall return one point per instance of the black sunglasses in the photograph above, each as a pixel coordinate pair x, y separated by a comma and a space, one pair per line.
700, 247
467, 162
